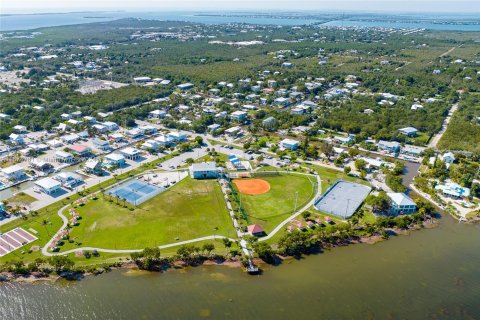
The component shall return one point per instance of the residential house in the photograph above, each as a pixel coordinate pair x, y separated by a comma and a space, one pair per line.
101, 144
238, 116
204, 170
63, 156
256, 230
289, 144
177, 136
409, 131
389, 146
93, 166
400, 203
453, 190
115, 159
49, 185
80, 150
16, 139
131, 153
13, 173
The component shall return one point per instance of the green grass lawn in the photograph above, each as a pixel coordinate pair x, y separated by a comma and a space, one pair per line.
271, 208
329, 176
21, 198
190, 209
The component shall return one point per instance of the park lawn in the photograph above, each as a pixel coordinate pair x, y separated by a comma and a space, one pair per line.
271, 208
45, 224
21, 198
190, 209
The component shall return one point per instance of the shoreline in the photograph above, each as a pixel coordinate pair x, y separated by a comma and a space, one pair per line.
164, 266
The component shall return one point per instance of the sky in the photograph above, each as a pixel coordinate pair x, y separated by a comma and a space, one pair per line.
398, 6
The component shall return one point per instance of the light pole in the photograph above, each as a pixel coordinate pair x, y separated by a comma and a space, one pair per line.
296, 200
346, 210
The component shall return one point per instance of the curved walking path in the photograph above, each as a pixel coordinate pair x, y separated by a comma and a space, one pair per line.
64, 225
296, 214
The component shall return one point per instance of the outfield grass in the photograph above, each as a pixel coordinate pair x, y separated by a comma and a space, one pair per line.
188, 210
271, 208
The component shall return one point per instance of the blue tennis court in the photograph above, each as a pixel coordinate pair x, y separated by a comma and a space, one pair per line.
135, 191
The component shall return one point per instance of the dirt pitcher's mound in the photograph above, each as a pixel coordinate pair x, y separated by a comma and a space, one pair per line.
252, 186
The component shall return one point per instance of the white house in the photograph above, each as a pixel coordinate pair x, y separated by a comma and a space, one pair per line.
63, 156
238, 116
448, 157
13, 173
131, 153
48, 185
177, 136
401, 203
289, 144
115, 159
204, 170
16, 139
409, 131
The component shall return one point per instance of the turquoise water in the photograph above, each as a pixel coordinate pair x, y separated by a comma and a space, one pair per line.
31, 21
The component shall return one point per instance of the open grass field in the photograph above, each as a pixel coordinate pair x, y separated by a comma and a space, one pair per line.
271, 208
189, 210
21, 198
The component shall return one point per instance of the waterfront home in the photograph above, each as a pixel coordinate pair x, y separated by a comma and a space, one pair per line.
80, 150
115, 159
131, 153
48, 185
63, 156
204, 170
289, 144
40, 165
400, 203
409, 131
13, 173
389, 146
453, 190
93, 166
256, 230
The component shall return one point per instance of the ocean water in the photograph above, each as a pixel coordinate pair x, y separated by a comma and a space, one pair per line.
32, 21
